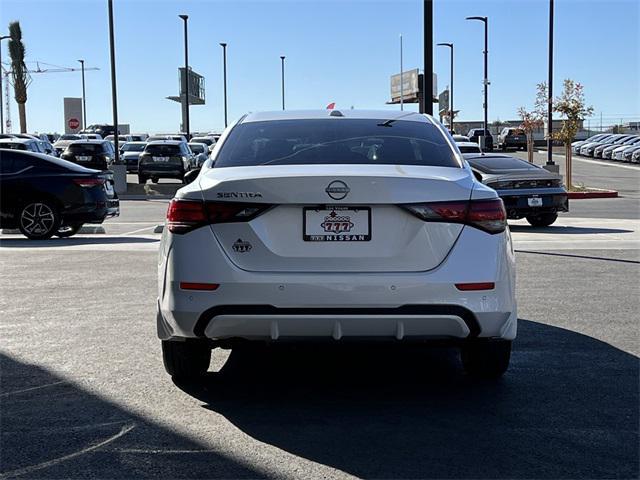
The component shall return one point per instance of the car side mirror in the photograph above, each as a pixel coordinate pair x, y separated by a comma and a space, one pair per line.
191, 175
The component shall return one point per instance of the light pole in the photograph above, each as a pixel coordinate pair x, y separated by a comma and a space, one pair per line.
282, 57
550, 89
224, 73
485, 20
450, 45
185, 79
3, 37
427, 93
401, 78
114, 95
84, 101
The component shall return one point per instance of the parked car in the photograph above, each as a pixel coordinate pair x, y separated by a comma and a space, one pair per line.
468, 147
200, 152
209, 141
103, 130
626, 155
396, 243
575, 146
159, 137
25, 144
514, 138
460, 138
608, 152
93, 136
164, 159
96, 154
527, 190
139, 137
65, 140
587, 149
43, 142
475, 134
635, 156
130, 154
122, 139
44, 196
621, 140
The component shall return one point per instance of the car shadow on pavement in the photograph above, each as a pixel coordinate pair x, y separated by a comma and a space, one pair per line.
73, 241
52, 428
567, 408
566, 230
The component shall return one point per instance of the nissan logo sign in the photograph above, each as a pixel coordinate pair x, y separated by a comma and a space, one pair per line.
337, 190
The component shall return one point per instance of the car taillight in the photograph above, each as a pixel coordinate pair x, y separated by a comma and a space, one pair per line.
487, 215
89, 182
186, 215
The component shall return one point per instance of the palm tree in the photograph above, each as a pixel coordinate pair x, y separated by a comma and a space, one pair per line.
19, 74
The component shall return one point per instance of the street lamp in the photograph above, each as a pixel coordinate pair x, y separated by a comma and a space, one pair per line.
224, 70
3, 37
185, 78
550, 89
282, 57
485, 20
114, 97
84, 104
450, 45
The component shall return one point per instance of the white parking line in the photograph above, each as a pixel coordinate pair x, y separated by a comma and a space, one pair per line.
139, 230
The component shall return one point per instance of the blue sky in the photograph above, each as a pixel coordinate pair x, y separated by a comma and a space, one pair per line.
337, 51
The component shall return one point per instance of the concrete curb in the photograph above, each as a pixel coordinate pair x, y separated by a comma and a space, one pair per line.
593, 194
86, 230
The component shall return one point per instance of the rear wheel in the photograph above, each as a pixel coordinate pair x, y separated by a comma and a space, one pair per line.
66, 231
487, 359
542, 220
142, 179
39, 220
154, 180
189, 359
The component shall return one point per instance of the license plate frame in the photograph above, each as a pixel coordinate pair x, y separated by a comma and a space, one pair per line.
344, 233
83, 158
160, 159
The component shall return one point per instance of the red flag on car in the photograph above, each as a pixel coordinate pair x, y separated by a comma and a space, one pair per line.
331, 106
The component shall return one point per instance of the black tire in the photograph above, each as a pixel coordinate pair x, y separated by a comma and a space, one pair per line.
66, 231
183, 360
142, 179
488, 359
39, 220
542, 220
154, 180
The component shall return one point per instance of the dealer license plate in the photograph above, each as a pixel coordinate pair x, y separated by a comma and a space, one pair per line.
337, 224
160, 159
535, 201
83, 158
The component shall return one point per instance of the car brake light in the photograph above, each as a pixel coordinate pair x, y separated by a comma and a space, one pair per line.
186, 215
89, 182
487, 215
465, 287
199, 286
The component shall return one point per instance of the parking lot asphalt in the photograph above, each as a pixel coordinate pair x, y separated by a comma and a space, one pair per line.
84, 394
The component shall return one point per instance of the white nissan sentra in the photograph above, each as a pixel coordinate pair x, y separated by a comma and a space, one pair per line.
329, 225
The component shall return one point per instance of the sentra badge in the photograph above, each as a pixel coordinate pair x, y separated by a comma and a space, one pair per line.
239, 195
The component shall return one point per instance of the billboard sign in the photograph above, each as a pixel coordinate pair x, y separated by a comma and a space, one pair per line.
443, 103
410, 85
72, 115
196, 87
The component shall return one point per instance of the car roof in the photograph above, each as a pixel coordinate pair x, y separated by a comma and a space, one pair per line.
88, 142
164, 142
136, 142
322, 114
467, 144
17, 140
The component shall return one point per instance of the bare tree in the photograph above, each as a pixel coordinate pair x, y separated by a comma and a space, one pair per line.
572, 106
534, 119
19, 74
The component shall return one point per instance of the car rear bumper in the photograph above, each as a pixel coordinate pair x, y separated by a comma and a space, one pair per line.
337, 306
516, 203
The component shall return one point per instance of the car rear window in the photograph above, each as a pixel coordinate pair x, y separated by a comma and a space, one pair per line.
163, 150
133, 147
336, 141
206, 141
490, 164
13, 146
87, 148
468, 149
197, 148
